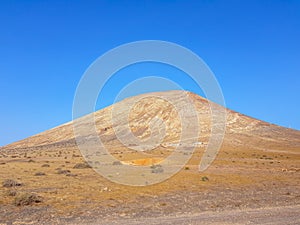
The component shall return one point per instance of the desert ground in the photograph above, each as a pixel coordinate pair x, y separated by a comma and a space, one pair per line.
254, 179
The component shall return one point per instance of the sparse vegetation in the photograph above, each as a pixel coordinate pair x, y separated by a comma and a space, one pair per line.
204, 178
26, 199
11, 192
39, 174
60, 171
70, 189
71, 175
11, 183
81, 166
45, 165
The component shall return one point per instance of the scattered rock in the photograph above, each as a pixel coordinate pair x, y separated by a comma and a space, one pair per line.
117, 163
123, 215
157, 169
105, 189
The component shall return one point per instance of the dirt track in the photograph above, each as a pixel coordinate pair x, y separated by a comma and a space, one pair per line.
275, 215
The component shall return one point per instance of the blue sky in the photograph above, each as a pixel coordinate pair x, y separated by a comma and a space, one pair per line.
252, 47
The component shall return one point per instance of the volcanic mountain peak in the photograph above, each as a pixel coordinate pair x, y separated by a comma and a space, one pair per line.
160, 107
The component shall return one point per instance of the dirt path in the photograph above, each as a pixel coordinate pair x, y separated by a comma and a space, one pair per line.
275, 215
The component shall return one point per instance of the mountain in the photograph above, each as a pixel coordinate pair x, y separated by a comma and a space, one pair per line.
257, 164
149, 106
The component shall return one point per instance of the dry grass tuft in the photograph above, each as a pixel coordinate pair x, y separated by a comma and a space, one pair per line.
11, 183
205, 178
60, 171
26, 199
39, 174
11, 192
45, 165
81, 166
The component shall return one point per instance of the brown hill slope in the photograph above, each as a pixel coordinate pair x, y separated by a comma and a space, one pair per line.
153, 105
257, 165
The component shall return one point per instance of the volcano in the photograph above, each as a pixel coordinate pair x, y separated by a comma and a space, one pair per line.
247, 163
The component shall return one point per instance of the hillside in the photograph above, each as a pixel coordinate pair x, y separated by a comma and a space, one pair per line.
256, 166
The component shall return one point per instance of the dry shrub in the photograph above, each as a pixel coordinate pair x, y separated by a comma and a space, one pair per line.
45, 165
60, 171
11, 192
26, 199
39, 174
205, 178
81, 166
11, 183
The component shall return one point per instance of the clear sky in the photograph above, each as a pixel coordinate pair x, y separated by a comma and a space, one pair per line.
253, 48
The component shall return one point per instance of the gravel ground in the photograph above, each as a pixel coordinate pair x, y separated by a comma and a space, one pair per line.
275, 205
272, 216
